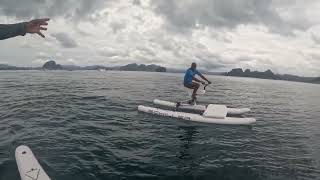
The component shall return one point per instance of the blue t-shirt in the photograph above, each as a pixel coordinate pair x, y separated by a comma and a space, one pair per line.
188, 77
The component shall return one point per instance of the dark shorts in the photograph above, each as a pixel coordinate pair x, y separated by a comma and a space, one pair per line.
187, 84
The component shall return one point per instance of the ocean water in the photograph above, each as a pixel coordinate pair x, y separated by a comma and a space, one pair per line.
84, 125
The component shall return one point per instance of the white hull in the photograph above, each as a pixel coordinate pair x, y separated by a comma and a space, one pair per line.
29, 167
230, 111
196, 117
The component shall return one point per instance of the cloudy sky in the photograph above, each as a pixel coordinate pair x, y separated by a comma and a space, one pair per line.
281, 35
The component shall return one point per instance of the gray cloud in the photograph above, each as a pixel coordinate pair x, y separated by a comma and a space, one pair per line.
42, 55
65, 40
180, 15
70, 9
183, 15
315, 38
117, 26
113, 52
221, 34
212, 62
136, 2
146, 51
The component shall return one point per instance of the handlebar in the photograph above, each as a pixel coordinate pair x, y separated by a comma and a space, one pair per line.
205, 85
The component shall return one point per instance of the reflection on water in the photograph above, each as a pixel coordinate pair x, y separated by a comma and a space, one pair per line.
187, 160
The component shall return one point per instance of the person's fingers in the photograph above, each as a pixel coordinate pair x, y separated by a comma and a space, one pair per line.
42, 28
40, 34
43, 21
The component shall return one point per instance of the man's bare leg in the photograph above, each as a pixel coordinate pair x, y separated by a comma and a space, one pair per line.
195, 87
194, 94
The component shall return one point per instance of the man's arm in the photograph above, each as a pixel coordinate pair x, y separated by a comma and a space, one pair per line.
12, 30
197, 80
20, 29
204, 78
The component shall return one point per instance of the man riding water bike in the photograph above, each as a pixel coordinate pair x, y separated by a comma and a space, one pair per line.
189, 79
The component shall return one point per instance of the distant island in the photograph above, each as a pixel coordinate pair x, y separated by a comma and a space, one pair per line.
52, 65
317, 80
270, 75
142, 67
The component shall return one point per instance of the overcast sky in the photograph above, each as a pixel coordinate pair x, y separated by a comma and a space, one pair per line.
281, 35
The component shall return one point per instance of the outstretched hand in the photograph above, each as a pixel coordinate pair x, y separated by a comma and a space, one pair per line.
36, 26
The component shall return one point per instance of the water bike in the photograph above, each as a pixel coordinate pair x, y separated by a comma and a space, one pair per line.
211, 113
